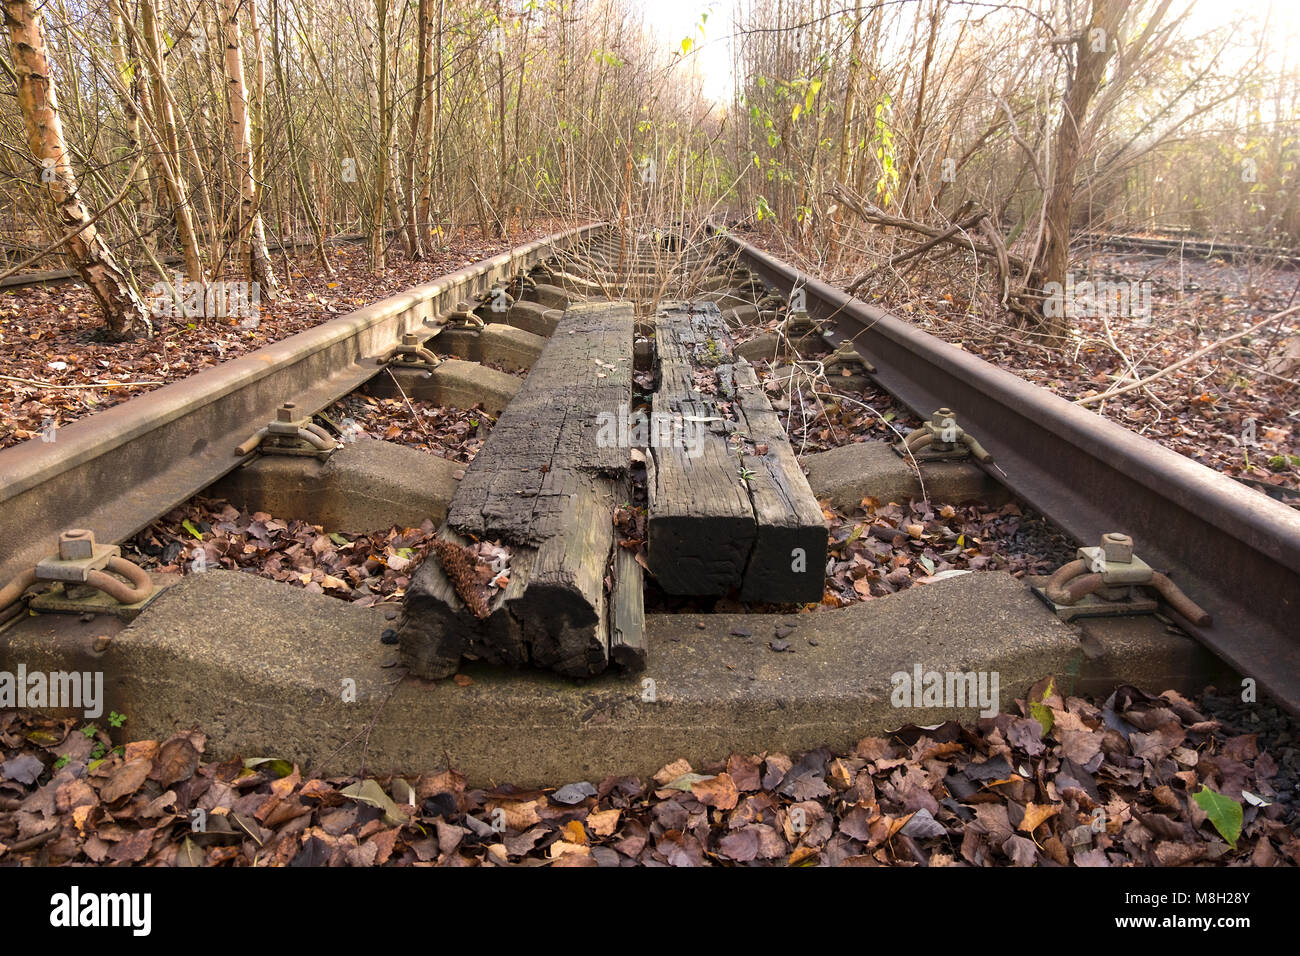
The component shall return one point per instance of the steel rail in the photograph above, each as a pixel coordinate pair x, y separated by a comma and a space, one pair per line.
1196, 248
1234, 551
118, 470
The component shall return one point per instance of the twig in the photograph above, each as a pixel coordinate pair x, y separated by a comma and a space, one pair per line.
1201, 353
31, 381
915, 464
1263, 371
409, 407
931, 243
126, 188
31, 843
1110, 337
365, 731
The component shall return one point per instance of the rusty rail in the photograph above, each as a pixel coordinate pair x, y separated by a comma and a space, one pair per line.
1235, 552
119, 469
1191, 247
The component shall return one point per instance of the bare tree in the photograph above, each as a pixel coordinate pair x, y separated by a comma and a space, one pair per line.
1092, 47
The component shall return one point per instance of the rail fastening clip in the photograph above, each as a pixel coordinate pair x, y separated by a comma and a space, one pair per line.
1104, 581
942, 439
290, 435
80, 560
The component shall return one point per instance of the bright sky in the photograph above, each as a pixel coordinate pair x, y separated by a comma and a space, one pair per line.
674, 20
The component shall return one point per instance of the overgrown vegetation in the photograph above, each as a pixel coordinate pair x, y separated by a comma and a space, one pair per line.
873, 134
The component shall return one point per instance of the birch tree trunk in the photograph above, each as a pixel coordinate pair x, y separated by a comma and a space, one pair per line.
252, 237
124, 313
424, 39
432, 106
382, 150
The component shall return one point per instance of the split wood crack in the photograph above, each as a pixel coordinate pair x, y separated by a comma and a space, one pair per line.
722, 517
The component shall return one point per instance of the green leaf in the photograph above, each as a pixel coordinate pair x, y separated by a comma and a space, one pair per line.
189, 526
794, 114
687, 43
929, 566
1224, 812
272, 765
339, 539
1041, 712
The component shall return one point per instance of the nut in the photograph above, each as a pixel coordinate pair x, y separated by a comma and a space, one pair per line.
1117, 547
76, 544
943, 418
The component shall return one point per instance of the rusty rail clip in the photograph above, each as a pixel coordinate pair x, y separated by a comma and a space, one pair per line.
942, 439
288, 435
463, 317
411, 354
1104, 580
80, 560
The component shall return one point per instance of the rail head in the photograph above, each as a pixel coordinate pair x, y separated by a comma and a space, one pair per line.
1231, 506
1236, 552
109, 467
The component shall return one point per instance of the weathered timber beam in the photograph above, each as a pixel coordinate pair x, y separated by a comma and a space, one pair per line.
545, 487
729, 507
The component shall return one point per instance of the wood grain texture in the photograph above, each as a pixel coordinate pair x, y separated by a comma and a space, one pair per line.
789, 556
701, 522
546, 488
627, 642
722, 516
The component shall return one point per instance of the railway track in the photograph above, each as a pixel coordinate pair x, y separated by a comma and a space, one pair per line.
1193, 247
1234, 552
118, 470
1237, 552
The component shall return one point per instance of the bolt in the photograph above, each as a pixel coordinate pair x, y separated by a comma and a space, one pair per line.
1117, 547
285, 412
76, 543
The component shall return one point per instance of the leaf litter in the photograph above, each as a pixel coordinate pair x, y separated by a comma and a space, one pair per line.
1136, 780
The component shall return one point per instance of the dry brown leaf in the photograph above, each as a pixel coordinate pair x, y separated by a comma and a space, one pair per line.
1036, 813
